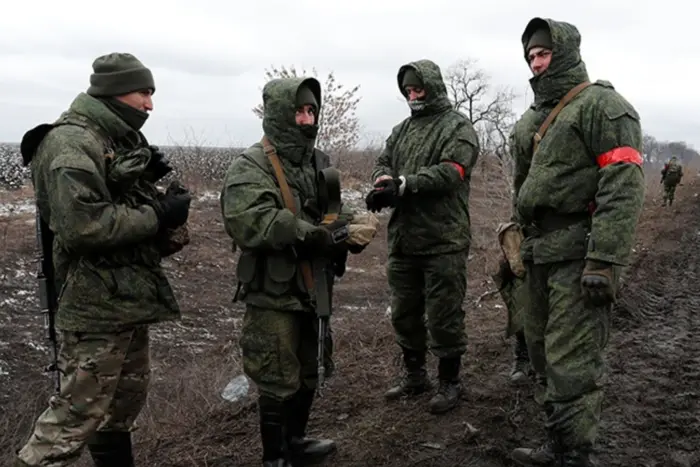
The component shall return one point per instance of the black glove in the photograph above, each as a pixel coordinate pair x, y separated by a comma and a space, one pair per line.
597, 284
384, 194
174, 206
325, 237
158, 165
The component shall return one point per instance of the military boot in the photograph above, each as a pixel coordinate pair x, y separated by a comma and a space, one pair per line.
304, 449
272, 432
521, 361
111, 449
449, 389
415, 380
544, 455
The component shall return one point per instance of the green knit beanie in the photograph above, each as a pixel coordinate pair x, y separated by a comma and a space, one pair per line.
117, 74
540, 38
305, 96
410, 78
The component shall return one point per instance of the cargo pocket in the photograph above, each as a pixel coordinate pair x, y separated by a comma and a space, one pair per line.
279, 272
261, 358
247, 274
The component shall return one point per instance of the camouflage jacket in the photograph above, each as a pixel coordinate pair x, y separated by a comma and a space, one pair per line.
672, 173
580, 194
253, 209
106, 236
432, 216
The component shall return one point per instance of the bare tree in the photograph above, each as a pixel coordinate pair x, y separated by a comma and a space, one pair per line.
490, 110
339, 127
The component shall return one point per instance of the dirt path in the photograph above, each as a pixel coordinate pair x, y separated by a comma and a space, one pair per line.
651, 413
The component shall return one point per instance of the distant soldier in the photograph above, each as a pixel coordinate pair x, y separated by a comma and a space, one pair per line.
94, 177
280, 334
671, 176
424, 173
579, 192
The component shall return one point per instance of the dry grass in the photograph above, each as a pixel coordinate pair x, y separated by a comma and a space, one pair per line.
187, 423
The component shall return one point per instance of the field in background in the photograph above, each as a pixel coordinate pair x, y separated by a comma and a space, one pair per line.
652, 403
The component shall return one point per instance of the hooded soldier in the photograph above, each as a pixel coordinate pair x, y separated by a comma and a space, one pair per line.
579, 189
424, 174
276, 243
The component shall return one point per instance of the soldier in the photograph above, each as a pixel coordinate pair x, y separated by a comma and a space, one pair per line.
579, 190
671, 176
110, 228
280, 333
424, 173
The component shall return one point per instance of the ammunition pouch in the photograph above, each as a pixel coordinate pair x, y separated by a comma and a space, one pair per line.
510, 237
274, 274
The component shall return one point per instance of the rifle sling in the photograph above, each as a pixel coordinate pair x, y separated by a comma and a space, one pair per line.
288, 198
553, 114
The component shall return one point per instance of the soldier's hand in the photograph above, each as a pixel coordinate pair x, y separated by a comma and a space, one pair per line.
158, 165
385, 193
327, 236
597, 284
174, 206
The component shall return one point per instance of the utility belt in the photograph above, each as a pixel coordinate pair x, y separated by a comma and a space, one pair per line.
551, 222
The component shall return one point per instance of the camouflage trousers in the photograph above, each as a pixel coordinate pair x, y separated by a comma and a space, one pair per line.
427, 294
104, 383
280, 351
566, 341
669, 192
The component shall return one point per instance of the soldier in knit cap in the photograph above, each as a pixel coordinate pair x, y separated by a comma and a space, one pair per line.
110, 227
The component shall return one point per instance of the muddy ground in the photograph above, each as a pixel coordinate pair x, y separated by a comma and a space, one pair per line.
651, 411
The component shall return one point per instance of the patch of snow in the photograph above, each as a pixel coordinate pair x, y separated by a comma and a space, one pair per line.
208, 196
12, 209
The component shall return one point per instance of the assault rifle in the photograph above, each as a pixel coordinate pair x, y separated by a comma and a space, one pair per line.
48, 299
323, 269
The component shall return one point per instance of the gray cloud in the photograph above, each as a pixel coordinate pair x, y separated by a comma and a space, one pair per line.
209, 56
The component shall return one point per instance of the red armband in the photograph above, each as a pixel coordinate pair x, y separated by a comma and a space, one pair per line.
457, 166
624, 154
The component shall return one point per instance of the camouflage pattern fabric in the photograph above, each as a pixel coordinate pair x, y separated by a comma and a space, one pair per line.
579, 197
254, 212
432, 216
514, 296
106, 249
566, 341
278, 340
280, 349
104, 382
429, 290
562, 179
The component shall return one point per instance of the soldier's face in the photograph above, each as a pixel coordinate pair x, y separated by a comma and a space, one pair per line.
539, 59
414, 93
141, 100
305, 115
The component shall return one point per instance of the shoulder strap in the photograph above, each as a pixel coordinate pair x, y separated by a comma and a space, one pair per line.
553, 114
271, 153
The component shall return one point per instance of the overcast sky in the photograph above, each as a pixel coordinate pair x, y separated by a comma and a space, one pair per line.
209, 56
